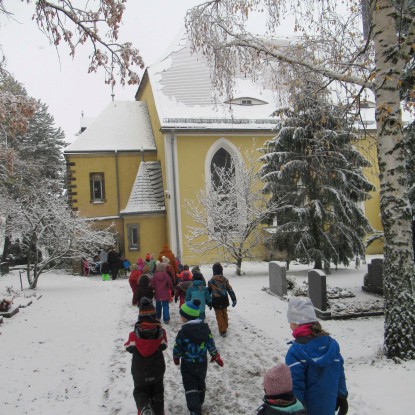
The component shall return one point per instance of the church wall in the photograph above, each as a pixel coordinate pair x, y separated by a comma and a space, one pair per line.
192, 151
145, 94
80, 167
152, 231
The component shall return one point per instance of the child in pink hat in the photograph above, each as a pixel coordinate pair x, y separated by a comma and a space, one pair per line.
279, 398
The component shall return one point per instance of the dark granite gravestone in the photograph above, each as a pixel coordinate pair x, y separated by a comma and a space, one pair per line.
373, 280
317, 291
4, 268
277, 278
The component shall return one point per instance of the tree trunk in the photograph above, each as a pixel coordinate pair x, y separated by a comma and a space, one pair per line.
398, 274
238, 266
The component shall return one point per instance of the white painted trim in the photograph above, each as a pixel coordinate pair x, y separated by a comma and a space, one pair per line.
218, 144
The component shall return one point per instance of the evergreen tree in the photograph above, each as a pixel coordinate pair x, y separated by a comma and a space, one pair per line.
39, 143
30, 147
313, 164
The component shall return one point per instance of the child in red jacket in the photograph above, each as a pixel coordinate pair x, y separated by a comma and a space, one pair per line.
146, 343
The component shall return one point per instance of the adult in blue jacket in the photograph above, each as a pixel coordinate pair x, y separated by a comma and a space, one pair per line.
315, 362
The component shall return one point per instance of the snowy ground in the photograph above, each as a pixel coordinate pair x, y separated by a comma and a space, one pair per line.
64, 353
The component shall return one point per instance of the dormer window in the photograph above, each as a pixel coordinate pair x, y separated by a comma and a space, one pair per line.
248, 101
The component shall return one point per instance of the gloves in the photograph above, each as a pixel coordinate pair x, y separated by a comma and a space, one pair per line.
216, 358
176, 361
342, 405
233, 303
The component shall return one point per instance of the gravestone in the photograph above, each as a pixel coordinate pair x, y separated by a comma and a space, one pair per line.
373, 280
277, 278
317, 291
9, 313
4, 268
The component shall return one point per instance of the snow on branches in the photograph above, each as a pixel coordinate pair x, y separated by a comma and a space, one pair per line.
65, 21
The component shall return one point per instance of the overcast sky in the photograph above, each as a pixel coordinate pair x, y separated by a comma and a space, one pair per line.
64, 84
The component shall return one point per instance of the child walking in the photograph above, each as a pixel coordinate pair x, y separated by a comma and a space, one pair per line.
219, 287
162, 285
183, 285
146, 343
105, 271
279, 398
315, 362
198, 290
192, 343
143, 288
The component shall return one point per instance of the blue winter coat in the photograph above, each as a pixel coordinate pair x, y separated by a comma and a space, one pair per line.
198, 290
318, 374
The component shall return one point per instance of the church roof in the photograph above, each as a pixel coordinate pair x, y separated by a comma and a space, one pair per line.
147, 195
122, 126
184, 95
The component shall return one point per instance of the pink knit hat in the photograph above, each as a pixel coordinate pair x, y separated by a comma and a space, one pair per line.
277, 380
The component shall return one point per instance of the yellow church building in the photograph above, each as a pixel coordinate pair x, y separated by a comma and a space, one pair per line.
139, 161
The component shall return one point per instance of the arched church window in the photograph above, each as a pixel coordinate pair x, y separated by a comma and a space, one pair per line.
220, 166
223, 183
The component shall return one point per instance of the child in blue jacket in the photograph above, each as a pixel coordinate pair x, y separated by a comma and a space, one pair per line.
192, 343
199, 290
315, 362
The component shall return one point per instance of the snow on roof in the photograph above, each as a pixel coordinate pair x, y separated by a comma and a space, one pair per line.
184, 95
122, 126
147, 195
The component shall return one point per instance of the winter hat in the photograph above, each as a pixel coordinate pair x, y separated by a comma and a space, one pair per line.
217, 268
277, 380
197, 276
196, 268
146, 310
190, 309
301, 311
147, 257
165, 259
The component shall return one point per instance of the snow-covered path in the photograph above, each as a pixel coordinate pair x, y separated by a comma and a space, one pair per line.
64, 354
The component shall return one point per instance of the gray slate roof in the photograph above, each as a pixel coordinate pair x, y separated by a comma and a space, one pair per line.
147, 195
122, 126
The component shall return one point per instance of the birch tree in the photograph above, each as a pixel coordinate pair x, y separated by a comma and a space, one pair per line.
331, 44
229, 211
78, 23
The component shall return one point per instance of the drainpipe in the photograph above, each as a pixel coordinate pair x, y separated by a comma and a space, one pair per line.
117, 177
175, 199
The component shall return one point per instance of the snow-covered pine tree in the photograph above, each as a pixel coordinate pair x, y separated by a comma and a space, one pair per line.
313, 163
30, 146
